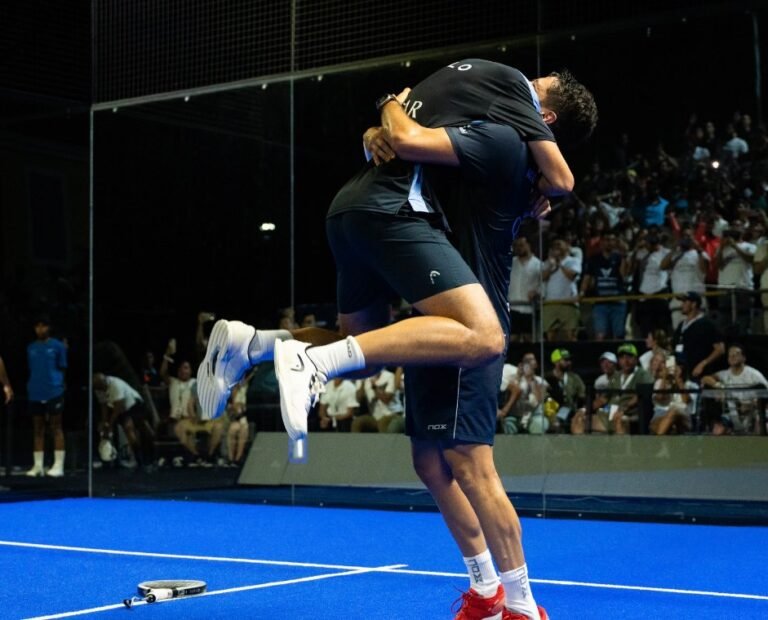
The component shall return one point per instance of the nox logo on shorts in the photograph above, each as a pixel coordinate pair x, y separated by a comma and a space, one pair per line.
433, 274
437, 427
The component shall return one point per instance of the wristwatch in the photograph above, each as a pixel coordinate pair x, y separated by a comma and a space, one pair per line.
384, 100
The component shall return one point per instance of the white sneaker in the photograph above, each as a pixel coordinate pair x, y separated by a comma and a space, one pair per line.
226, 361
57, 471
34, 472
300, 385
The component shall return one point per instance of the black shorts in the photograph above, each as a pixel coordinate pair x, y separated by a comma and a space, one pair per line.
54, 406
380, 256
452, 405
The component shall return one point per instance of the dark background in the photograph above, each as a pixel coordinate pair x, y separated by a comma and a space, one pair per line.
181, 187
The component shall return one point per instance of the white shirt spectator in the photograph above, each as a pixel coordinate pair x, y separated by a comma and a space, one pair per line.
508, 374
118, 390
749, 376
339, 398
559, 286
524, 278
612, 213
179, 394
685, 274
736, 271
386, 380
736, 147
654, 277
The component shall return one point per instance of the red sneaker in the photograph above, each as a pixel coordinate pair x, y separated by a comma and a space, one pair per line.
508, 615
475, 607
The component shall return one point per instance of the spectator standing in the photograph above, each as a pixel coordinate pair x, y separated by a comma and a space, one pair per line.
47, 358
734, 260
524, 286
697, 340
688, 265
605, 274
646, 264
560, 273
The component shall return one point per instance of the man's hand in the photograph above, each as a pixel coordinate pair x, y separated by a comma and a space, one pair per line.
403, 95
375, 142
698, 369
540, 207
8, 390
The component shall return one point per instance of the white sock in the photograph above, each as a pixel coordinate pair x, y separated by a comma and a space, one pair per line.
518, 592
38, 459
262, 346
483, 578
58, 458
337, 358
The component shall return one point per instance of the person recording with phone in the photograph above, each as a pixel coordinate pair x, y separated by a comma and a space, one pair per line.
688, 265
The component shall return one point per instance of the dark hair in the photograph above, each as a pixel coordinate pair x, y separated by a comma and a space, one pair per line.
575, 108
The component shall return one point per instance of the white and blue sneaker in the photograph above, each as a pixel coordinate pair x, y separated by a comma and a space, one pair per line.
300, 385
226, 361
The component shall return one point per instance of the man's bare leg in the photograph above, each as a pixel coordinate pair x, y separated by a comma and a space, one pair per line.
474, 470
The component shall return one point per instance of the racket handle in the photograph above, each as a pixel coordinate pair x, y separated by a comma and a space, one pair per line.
159, 594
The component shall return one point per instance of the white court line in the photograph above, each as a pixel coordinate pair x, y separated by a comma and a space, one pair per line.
580, 584
258, 586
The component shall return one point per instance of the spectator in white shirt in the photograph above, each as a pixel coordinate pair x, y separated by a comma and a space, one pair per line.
741, 406
688, 265
524, 286
646, 263
735, 147
385, 406
734, 261
560, 274
122, 405
338, 405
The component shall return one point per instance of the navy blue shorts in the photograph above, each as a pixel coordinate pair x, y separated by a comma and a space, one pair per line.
452, 405
54, 406
380, 256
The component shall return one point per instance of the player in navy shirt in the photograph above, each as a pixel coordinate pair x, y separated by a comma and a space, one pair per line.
47, 358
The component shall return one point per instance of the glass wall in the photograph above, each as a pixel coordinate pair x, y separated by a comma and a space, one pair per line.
214, 207
192, 222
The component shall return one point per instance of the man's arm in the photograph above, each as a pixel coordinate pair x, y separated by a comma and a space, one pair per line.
413, 142
718, 350
6, 382
556, 177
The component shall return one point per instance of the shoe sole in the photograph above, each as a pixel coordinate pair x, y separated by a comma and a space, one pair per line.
283, 407
212, 388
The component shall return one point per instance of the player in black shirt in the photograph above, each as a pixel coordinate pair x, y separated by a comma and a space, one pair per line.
387, 230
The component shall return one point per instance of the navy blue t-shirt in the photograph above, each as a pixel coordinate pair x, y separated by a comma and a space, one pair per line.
606, 274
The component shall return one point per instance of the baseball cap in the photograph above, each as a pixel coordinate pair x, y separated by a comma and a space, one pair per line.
627, 349
560, 354
690, 296
611, 357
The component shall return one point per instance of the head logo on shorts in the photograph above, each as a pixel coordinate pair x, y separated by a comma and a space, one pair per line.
433, 274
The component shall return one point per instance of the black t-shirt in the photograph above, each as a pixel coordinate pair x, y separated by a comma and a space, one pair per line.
606, 274
697, 341
455, 95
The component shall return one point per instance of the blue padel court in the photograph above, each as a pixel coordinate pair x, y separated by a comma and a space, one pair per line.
83, 557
